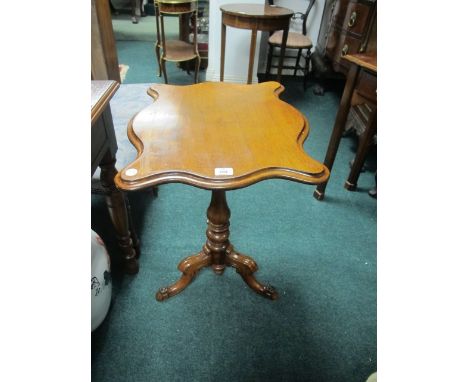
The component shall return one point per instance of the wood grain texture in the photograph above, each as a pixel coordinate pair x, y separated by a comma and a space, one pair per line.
101, 94
177, 7
241, 21
365, 60
257, 18
189, 131
256, 10
177, 50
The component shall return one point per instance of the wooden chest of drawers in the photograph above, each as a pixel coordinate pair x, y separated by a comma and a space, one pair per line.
349, 26
352, 28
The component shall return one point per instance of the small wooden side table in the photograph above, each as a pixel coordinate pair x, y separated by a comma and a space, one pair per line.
358, 62
188, 135
176, 50
103, 150
256, 17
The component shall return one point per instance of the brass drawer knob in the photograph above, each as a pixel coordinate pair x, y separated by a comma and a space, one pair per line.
352, 19
344, 51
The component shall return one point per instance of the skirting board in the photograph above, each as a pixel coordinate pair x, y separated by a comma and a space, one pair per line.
213, 76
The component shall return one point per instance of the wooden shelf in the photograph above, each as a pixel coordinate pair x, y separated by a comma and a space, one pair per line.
177, 50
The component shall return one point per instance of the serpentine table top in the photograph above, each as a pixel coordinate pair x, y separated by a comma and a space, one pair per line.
218, 136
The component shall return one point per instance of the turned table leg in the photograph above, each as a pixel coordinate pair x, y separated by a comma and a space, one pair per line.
118, 212
217, 253
223, 51
253, 45
282, 52
339, 127
367, 136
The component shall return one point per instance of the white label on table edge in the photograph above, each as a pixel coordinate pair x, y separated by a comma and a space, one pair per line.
224, 171
131, 172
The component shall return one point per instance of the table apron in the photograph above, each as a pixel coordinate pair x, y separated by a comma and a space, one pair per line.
102, 138
263, 24
176, 8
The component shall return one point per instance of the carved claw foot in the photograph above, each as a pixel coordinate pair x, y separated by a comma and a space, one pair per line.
246, 266
189, 268
270, 292
162, 294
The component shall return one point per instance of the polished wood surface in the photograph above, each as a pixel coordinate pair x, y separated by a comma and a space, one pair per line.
190, 131
256, 11
103, 150
352, 29
348, 27
364, 60
218, 136
177, 50
177, 6
359, 62
256, 17
101, 94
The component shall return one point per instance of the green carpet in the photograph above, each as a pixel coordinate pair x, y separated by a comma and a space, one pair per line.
143, 67
145, 30
320, 256
135, 48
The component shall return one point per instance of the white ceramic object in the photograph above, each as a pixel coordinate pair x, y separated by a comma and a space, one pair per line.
101, 284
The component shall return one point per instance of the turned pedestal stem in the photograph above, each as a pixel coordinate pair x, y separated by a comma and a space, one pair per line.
217, 233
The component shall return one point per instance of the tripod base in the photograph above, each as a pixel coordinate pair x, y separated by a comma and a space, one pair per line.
217, 253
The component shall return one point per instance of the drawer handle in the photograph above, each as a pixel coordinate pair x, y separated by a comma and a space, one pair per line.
344, 51
352, 19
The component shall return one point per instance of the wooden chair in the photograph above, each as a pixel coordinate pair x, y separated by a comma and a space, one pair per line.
175, 50
299, 41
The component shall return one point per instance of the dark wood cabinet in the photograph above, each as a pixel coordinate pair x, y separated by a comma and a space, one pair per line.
348, 26
104, 62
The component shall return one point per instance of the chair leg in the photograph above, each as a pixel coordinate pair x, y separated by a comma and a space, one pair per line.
134, 5
373, 192
306, 68
163, 66
297, 62
270, 57
157, 49
197, 69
